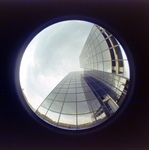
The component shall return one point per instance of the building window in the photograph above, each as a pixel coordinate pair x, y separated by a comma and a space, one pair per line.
74, 83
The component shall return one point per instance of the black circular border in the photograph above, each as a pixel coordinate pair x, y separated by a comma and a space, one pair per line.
129, 94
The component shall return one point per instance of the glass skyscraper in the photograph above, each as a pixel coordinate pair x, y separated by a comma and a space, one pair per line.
84, 99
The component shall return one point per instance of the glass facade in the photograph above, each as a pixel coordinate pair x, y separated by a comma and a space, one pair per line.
84, 99
104, 53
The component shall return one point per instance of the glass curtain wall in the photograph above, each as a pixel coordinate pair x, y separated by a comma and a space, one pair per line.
84, 99
72, 104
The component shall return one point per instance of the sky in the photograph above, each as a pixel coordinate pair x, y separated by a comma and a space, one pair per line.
50, 56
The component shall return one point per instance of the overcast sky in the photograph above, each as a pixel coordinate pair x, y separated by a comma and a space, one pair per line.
51, 55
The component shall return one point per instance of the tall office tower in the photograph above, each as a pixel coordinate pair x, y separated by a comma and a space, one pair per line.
84, 99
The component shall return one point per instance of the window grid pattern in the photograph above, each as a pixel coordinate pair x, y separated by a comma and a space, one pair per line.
102, 52
111, 81
71, 103
86, 99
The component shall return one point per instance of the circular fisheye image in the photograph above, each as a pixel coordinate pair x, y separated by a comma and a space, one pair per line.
74, 75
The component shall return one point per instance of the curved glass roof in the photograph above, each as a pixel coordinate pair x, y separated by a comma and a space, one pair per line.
83, 97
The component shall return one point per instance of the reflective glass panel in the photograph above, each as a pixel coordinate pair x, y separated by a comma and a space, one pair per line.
60, 97
42, 110
69, 108
85, 118
53, 116
70, 97
104, 46
81, 97
68, 119
82, 107
47, 103
106, 55
56, 106
52, 95
100, 38
72, 76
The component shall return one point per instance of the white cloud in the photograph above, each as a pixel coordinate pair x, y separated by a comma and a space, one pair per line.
51, 55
